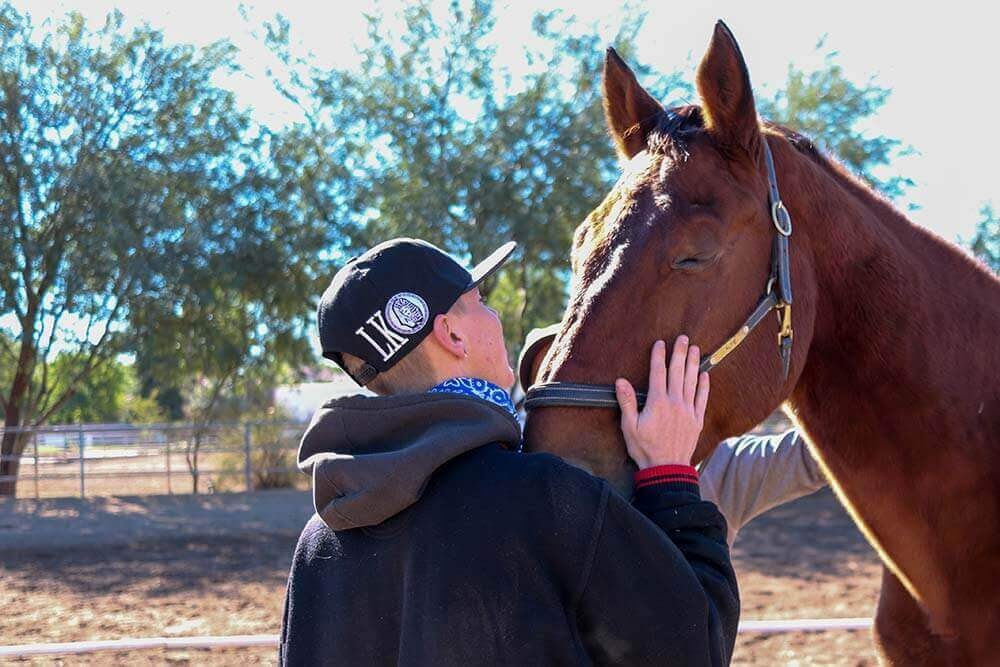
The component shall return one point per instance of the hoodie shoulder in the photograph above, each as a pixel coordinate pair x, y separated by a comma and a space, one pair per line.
371, 458
545, 486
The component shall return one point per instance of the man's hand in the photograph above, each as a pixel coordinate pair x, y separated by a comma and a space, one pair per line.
666, 431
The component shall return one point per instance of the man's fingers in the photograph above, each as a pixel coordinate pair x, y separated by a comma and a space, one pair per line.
657, 371
691, 374
629, 405
675, 373
701, 397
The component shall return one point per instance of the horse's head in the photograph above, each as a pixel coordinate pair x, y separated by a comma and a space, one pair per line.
682, 244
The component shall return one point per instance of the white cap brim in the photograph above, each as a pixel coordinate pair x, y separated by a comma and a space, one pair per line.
488, 266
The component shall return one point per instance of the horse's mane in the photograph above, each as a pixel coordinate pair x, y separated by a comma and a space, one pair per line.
890, 216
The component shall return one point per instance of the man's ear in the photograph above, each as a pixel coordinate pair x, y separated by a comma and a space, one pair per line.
448, 337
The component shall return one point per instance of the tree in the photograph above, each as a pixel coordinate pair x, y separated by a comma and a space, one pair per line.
429, 137
110, 393
985, 243
827, 106
131, 187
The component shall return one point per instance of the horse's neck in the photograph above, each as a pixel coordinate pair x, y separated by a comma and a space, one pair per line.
898, 393
905, 322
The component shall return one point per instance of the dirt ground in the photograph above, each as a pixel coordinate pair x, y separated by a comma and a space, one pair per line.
805, 559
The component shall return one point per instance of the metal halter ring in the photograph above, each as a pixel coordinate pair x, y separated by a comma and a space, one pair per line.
782, 219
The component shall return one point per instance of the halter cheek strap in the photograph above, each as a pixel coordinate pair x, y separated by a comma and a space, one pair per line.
777, 297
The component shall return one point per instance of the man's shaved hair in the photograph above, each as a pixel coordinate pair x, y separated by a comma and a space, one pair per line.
410, 375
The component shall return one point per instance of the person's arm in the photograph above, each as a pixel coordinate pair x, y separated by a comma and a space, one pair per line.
747, 476
661, 587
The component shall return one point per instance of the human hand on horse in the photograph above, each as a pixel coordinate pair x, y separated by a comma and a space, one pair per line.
666, 431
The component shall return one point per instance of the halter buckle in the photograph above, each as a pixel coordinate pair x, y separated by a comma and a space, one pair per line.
782, 218
785, 317
785, 336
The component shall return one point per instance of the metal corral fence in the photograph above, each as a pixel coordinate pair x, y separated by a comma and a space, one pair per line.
124, 459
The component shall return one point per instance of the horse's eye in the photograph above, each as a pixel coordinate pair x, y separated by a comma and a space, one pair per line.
693, 262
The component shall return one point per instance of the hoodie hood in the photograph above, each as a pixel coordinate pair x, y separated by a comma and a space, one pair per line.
371, 457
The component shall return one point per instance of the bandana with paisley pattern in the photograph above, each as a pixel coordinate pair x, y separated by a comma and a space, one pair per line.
477, 388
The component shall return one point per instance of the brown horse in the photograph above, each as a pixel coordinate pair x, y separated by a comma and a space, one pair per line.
893, 371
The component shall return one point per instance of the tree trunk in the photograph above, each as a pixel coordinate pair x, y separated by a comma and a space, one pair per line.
14, 440
191, 455
11, 446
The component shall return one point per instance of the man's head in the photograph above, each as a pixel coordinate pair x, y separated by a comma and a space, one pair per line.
405, 315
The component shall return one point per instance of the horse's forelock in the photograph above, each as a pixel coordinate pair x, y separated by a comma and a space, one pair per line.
674, 129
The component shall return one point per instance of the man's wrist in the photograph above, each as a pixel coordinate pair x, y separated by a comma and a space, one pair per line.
666, 474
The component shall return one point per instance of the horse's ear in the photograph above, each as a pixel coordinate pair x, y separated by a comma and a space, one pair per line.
626, 106
727, 99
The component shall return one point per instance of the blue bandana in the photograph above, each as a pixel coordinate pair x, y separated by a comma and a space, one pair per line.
477, 388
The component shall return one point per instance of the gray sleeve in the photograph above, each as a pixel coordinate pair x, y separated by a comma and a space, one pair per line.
749, 475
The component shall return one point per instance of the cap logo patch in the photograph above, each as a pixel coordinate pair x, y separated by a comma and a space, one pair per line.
406, 313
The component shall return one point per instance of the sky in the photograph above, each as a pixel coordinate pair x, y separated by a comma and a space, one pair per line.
938, 61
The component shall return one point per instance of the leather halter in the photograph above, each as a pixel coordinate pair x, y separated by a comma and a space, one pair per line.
777, 297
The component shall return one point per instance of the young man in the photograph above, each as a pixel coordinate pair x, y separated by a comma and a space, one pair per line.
745, 476
437, 543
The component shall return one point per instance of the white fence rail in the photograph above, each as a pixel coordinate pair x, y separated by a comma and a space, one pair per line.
140, 644
243, 641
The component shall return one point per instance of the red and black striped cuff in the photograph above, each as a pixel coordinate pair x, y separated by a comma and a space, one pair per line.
665, 474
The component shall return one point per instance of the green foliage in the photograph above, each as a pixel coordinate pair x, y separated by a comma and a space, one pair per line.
985, 243
828, 107
141, 210
108, 394
109, 152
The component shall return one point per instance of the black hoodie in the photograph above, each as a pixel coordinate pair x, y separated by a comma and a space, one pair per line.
436, 544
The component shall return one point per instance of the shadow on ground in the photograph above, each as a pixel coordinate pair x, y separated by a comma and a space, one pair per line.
91, 546
161, 568
802, 538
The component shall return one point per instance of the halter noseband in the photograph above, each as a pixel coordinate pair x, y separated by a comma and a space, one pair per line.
777, 297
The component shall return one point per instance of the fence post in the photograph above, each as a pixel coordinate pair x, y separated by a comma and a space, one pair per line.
80, 440
170, 489
36, 464
246, 455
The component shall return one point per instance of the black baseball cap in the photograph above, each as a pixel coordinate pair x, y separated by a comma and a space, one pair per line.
382, 304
